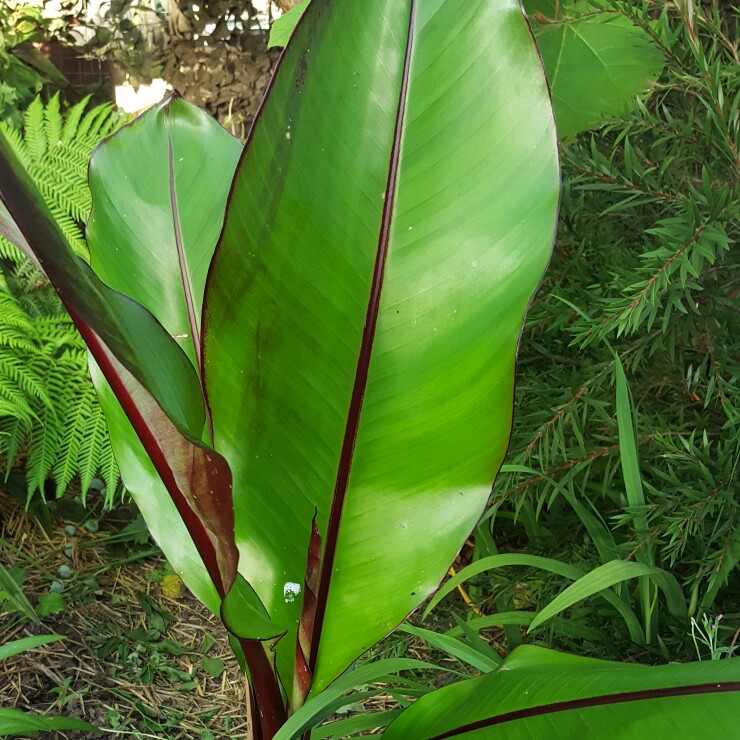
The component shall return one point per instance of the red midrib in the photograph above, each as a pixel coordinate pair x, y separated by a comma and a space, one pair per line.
184, 275
363, 362
595, 701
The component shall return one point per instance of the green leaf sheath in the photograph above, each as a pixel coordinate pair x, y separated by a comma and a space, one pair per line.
543, 694
159, 190
128, 329
364, 304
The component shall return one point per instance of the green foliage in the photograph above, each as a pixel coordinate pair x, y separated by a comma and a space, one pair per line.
24, 70
283, 27
50, 418
643, 268
598, 59
49, 413
429, 442
55, 149
541, 693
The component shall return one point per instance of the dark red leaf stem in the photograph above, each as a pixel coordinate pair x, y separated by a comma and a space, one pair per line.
268, 701
192, 522
363, 363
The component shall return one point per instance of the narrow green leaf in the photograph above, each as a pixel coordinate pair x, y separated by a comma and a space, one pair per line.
14, 594
15, 722
351, 726
26, 643
598, 580
628, 449
501, 619
548, 564
456, 648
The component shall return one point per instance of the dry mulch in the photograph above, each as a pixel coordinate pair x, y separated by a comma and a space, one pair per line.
96, 687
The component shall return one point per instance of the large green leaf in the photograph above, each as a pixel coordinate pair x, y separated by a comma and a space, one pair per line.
283, 27
365, 302
596, 58
539, 693
153, 379
596, 65
159, 189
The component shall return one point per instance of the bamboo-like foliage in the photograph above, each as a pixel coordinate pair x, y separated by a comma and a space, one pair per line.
644, 267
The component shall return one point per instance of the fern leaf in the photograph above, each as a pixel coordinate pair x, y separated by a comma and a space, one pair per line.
92, 121
76, 428
53, 123
72, 120
91, 447
42, 451
10, 252
17, 143
13, 431
35, 130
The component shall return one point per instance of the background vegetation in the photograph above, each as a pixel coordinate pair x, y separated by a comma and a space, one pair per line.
644, 277
645, 269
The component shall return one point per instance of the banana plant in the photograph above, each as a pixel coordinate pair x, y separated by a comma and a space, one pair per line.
305, 349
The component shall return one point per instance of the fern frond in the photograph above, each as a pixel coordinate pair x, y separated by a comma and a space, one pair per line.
72, 120
13, 431
35, 130
17, 143
53, 123
49, 412
77, 423
10, 253
42, 450
93, 121
22, 379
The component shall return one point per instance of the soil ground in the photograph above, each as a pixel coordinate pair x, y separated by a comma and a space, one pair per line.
71, 678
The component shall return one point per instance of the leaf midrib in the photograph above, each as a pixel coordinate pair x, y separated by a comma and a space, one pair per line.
593, 701
363, 362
